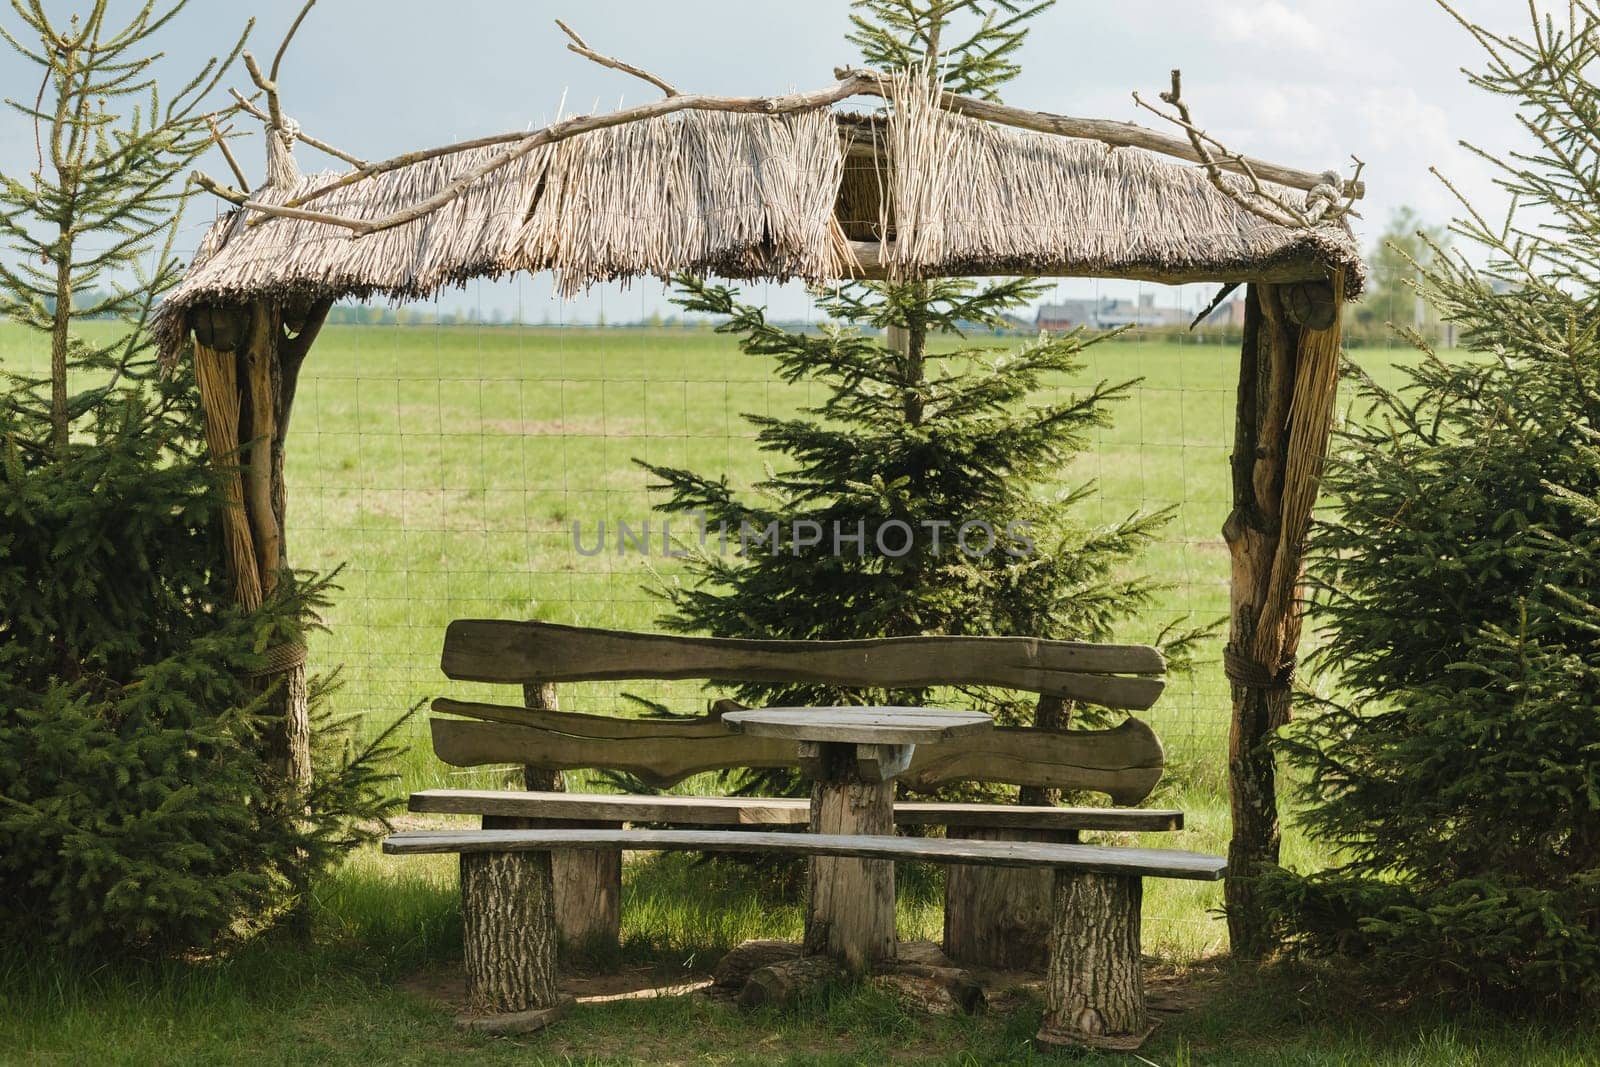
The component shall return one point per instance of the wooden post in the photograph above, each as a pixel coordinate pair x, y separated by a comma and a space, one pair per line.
1288, 379
1000, 917
587, 884
217, 375
509, 940
542, 695
850, 906
1049, 713
588, 881
247, 368
1094, 994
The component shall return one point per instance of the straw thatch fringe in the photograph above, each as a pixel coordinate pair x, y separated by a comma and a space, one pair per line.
744, 196
752, 196
971, 197
736, 195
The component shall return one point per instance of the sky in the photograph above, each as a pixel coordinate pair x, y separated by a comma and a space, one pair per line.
1303, 83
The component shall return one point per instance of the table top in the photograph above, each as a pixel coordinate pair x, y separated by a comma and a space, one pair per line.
880, 726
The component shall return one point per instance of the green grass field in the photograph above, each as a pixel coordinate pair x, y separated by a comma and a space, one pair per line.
443, 468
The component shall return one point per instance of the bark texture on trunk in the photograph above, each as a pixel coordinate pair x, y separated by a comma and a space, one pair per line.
508, 931
850, 906
587, 883
1000, 917
1288, 380
247, 392
1095, 988
542, 695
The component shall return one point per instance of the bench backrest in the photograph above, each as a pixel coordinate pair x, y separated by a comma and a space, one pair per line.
1125, 762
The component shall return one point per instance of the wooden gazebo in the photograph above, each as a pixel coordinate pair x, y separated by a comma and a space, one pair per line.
797, 187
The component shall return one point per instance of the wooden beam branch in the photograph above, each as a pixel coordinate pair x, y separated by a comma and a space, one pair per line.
1324, 204
850, 82
557, 131
274, 116
277, 59
216, 188
581, 47
221, 139
246, 105
1111, 132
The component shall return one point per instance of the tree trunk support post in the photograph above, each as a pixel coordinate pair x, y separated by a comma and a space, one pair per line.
1000, 917
509, 941
587, 884
588, 881
247, 366
1094, 993
850, 906
1288, 380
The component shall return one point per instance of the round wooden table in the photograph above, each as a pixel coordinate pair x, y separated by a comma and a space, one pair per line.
851, 756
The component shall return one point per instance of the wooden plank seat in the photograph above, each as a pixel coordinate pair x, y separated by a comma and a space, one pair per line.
994, 917
621, 808
1095, 986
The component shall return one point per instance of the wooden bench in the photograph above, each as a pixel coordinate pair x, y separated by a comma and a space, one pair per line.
1095, 985
993, 917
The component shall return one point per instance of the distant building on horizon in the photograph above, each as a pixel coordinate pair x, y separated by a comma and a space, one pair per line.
1107, 313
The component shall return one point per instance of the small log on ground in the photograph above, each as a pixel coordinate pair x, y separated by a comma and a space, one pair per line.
509, 932
1094, 993
735, 969
925, 952
937, 990
782, 984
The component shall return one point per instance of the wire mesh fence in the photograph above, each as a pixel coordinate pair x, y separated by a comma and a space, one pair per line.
445, 466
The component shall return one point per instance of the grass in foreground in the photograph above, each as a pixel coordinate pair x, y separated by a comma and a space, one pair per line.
389, 933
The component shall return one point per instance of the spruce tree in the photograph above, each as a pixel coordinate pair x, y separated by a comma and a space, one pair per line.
93, 226
1456, 767
138, 812
921, 431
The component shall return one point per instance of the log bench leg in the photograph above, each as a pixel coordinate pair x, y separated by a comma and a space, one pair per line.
1000, 917
588, 884
1094, 995
850, 902
509, 941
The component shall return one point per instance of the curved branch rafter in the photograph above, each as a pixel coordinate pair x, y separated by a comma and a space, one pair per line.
1198, 147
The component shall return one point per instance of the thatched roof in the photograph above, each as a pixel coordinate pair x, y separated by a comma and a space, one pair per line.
815, 196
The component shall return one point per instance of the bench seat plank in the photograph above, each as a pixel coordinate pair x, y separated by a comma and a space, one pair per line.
776, 811
1098, 859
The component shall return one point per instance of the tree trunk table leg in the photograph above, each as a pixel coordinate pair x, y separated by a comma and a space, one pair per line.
588, 884
1000, 917
850, 906
509, 940
1095, 989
